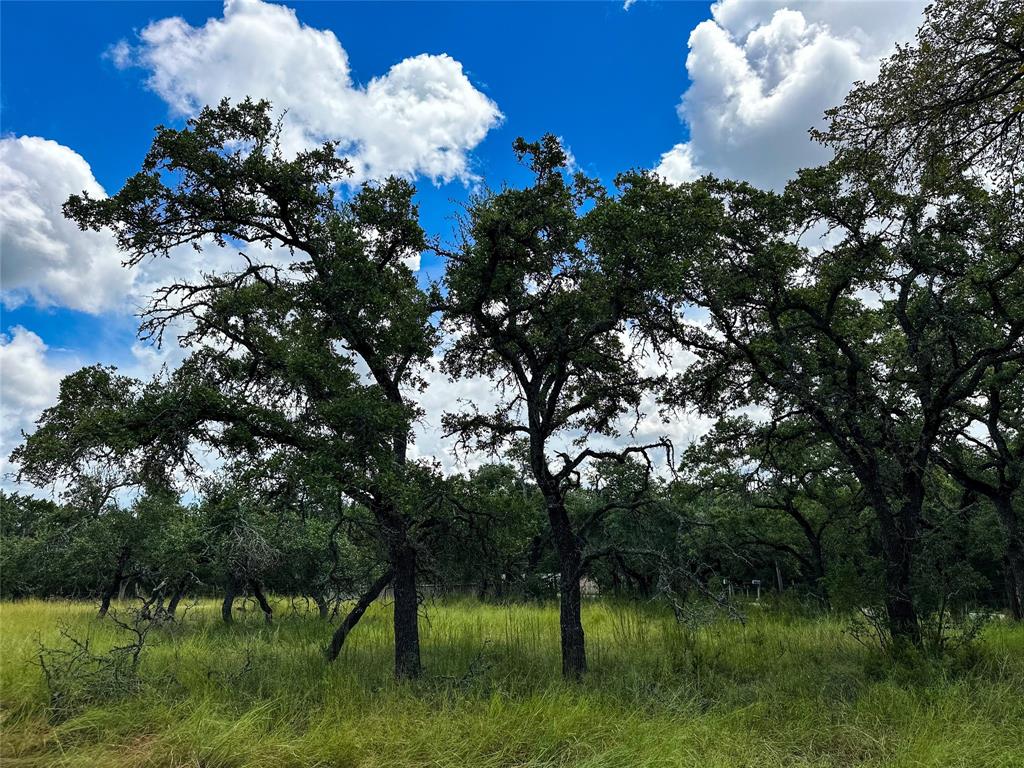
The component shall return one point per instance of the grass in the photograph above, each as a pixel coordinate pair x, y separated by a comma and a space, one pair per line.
780, 691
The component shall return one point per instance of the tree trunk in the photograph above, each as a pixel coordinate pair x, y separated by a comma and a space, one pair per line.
179, 594
407, 630
1014, 588
116, 583
322, 605
1013, 559
105, 602
227, 607
257, 592
898, 529
574, 651
821, 586
353, 617
570, 559
899, 603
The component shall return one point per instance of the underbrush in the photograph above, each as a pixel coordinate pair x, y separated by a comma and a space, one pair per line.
775, 690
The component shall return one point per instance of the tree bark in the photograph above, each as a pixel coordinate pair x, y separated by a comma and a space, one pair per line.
115, 583
1013, 558
179, 594
570, 559
322, 605
574, 651
227, 607
899, 603
1012, 585
407, 630
353, 617
898, 529
257, 592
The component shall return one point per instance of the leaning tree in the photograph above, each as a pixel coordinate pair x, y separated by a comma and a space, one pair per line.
311, 346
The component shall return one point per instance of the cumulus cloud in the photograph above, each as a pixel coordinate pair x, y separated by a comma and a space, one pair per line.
48, 260
28, 384
421, 118
763, 72
45, 257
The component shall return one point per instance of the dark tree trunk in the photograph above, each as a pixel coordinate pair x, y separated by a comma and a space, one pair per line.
115, 583
179, 594
402, 555
353, 617
898, 546
257, 592
322, 605
570, 559
105, 602
407, 629
1013, 559
228, 606
574, 651
1014, 590
820, 585
898, 529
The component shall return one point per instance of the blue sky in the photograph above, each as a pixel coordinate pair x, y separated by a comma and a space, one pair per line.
83, 84
550, 67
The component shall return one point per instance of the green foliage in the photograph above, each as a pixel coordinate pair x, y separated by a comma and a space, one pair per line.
871, 315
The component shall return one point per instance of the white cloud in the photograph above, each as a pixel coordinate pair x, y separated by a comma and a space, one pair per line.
48, 260
422, 117
28, 384
45, 257
763, 72
440, 396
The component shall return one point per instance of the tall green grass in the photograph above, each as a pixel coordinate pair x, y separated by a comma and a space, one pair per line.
779, 691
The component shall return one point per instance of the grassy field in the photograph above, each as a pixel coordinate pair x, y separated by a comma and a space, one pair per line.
779, 691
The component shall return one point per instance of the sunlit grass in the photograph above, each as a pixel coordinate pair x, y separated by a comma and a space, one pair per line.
779, 691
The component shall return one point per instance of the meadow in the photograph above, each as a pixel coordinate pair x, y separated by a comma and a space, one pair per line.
779, 690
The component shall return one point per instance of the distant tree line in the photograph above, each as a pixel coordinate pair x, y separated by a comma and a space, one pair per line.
858, 337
